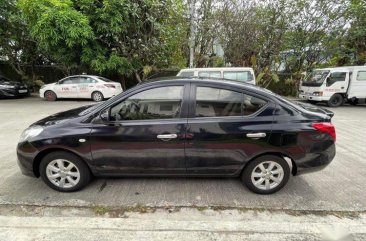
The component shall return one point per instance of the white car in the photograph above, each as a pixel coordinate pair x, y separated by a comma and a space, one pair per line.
81, 86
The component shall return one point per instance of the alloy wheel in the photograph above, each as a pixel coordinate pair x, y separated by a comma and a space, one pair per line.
63, 173
267, 175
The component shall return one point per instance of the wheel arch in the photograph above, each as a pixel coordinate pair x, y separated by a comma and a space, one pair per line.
286, 157
43, 153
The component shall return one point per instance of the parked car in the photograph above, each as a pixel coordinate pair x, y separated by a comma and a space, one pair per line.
10, 88
181, 127
335, 86
81, 86
241, 74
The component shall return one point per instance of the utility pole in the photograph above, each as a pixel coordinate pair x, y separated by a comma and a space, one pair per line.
192, 36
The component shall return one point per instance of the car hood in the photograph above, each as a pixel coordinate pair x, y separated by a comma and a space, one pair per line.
314, 108
62, 117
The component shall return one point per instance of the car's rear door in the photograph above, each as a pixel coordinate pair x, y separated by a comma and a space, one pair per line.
226, 128
145, 135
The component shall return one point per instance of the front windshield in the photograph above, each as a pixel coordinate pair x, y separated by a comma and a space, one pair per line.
316, 77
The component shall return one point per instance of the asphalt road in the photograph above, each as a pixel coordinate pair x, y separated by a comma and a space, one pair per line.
339, 187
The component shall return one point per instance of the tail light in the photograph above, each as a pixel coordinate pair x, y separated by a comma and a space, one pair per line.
110, 85
326, 127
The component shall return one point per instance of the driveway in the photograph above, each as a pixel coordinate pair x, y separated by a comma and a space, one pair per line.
339, 187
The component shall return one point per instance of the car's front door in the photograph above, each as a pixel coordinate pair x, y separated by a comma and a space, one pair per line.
145, 134
67, 88
226, 128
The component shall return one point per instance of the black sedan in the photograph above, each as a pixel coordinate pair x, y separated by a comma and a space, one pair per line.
10, 88
181, 127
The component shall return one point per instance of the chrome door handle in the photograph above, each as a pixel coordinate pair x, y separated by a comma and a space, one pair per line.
256, 135
167, 137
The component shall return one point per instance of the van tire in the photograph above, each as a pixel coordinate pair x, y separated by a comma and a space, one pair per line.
336, 100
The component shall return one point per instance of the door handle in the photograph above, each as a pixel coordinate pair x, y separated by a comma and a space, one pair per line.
74, 87
256, 135
167, 137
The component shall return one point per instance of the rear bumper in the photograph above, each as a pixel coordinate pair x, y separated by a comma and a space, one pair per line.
314, 161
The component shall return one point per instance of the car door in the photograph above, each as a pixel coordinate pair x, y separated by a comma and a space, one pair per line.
86, 87
226, 128
67, 88
337, 82
145, 133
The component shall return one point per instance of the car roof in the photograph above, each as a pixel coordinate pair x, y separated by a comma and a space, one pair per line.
218, 81
217, 69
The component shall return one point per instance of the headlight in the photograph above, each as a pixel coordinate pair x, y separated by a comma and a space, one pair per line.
318, 93
30, 132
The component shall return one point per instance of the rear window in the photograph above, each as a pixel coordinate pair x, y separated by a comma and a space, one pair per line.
215, 102
242, 76
209, 74
187, 73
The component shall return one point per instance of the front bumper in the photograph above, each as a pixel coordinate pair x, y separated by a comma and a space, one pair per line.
312, 97
315, 161
26, 154
14, 92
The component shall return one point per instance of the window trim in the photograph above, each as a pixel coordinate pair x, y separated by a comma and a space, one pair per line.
183, 112
193, 101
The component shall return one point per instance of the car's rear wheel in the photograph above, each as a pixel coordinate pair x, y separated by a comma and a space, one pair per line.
353, 101
97, 96
50, 95
335, 101
266, 174
64, 171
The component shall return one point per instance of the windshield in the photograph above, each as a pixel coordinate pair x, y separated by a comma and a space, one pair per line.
315, 77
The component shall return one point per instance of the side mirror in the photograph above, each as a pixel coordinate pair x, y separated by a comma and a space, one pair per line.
104, 115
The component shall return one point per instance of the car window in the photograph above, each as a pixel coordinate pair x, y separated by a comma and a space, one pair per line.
252, 104
157, 103
361, 75
214, 102
87, 80
186, 73
337, 76
209, 74
73, 80
238, 75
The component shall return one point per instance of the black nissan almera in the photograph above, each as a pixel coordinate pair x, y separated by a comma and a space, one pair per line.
181, 127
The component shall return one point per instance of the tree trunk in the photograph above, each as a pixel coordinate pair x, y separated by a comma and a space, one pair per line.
138, 77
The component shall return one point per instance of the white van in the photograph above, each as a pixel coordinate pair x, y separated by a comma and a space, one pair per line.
335, 85
242, 74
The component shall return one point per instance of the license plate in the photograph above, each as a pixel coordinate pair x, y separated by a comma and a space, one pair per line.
23, 91
307, 93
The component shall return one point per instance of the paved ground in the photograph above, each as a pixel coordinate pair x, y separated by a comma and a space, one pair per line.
341, 186
185, 224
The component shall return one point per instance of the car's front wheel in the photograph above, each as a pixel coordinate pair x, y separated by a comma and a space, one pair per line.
335, 101
97, 96
266, 174
64, 171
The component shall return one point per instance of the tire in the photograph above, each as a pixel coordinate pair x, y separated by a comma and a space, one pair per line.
353, 101
49, 95
97, 96
254, 173
79, 172
335, 101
